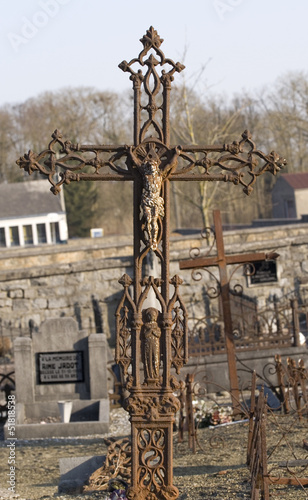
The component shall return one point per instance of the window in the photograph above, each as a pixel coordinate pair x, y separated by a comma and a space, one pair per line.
290, 209
41, 233
2, 237
28, 236
55, 232
14, 236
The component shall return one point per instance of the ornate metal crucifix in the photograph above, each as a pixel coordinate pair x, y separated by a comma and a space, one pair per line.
221, 260
151, 342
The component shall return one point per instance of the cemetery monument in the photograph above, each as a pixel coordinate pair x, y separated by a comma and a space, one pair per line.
151, 345
60, 364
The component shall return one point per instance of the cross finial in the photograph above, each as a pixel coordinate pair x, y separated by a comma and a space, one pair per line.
153, 83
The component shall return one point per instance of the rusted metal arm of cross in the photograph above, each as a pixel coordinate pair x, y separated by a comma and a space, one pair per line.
221, 260
151, 341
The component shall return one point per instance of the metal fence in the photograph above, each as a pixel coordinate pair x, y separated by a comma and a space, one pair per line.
9, 332
7, 385
280, 324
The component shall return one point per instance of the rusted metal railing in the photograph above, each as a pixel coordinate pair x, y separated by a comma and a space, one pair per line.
7, 385
274, 326
292, 385
267, 467
257, 453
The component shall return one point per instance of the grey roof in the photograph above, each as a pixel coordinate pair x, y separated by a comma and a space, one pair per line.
29, 198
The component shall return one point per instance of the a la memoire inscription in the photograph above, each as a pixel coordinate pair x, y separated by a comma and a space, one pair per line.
65, 367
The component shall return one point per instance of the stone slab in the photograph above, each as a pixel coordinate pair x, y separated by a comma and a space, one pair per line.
272, 400
55, 430
83, 410
56, 335
75, 471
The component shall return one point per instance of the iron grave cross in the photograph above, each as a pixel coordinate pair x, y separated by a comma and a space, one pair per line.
151, 341
221, 260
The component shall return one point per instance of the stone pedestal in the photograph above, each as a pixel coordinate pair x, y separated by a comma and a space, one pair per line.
97, 343
24, 368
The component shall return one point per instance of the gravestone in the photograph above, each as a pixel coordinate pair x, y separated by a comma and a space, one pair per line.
61, 363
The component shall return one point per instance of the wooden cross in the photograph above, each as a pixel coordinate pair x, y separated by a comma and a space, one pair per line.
222, 261
151, 342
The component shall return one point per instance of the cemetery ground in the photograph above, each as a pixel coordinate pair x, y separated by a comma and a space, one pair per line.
217, 471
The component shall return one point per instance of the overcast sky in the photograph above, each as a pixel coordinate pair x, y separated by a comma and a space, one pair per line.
245, 44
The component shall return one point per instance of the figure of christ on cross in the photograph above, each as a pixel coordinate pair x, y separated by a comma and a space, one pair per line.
152, 203
151, 164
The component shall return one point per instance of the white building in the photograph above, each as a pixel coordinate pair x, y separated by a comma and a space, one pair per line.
290, 196
31, 215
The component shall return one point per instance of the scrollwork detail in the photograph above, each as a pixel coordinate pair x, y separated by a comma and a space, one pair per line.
151, 408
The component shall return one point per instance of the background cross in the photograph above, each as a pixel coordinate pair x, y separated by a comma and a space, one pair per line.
221, 260
151, 163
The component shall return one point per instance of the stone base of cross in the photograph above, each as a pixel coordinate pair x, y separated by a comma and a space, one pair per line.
151, 341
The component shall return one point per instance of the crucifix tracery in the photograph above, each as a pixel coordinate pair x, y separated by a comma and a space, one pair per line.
151, 342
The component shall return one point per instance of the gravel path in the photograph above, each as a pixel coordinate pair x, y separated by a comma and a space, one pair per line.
217, 471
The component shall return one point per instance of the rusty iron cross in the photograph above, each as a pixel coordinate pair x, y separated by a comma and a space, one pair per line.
151, 342
222, 261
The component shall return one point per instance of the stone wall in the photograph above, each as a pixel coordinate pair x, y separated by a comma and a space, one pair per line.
80, 279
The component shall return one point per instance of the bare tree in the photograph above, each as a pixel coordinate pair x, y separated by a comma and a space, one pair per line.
82, 115
285, 107
211, 120
277, 119
8, 142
